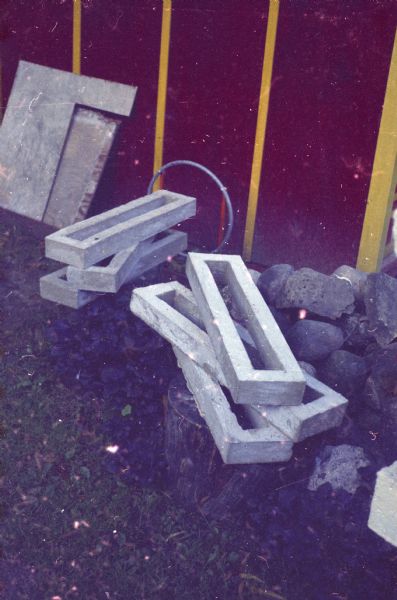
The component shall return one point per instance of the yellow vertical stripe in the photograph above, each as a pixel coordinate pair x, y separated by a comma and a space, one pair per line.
77, 37
1, 87
162, 88
383, 179
260, 134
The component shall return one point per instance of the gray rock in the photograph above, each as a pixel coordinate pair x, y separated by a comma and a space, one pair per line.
255, 275
356, 330
344, 372
338, 466
323, 295
271, 282
381, 384
314, 340
380, 298
355, 277
308, 368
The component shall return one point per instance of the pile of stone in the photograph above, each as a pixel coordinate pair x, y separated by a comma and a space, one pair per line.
344, 329
254, 396
106, 251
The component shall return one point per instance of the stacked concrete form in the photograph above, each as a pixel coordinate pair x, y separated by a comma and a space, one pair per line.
247, 385
115, 247
383, 515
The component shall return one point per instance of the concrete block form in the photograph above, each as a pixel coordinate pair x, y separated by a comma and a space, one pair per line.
322, 408
56, 288
161, 306
383, 514
280, 380
90, 241
236, 444
128, 264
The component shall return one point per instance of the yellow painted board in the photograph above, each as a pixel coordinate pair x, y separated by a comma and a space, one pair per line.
383, 179
162, 88
76, 62
260, 134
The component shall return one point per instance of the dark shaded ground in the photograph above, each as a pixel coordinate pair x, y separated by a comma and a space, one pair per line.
78, 521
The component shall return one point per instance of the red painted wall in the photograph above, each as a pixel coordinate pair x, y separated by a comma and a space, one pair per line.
329, 78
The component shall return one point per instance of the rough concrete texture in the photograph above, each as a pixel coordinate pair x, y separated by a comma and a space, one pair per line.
161, 307
280, 381
86, 150
355, 277
322, 409
56, 288
235, 444
91, 241
383, 514
272, 281
338, 466
314, 340
36, 124
323, 295
128, 264
380, 298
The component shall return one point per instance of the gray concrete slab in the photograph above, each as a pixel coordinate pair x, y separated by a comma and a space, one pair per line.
36, 124
236, 445
128, 264
86, 149
89, 242
383, 514
322, 409
56, 288
281, 380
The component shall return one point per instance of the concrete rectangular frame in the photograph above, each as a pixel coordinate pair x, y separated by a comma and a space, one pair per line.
323, 410
56, 288
281, 381
128, 264
88, 242
159, 306
236, 445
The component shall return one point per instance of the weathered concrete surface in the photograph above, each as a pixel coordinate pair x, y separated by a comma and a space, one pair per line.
235, 444
383, 515
91, 241
84, 156
324, 295
56, 288
281, 380
338, 466
128, 264
165, 308
380, 298
35, 127
322, 409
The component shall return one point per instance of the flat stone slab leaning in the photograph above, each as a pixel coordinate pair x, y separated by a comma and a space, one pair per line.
281, 380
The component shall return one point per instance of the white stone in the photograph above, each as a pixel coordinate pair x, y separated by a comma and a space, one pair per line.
383, 515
